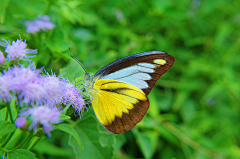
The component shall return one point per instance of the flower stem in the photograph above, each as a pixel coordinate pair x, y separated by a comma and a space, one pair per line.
10, 113
28, 139
6, 116
34, 143
25, 142
6, 141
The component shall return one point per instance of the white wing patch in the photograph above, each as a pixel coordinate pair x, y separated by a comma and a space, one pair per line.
146, 65
141, 76
141, 84
135, 75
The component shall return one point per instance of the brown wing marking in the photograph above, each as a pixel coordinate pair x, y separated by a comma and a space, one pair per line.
128, 121
159, 71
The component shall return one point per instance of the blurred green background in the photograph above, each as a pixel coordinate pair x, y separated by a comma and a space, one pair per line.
194, 108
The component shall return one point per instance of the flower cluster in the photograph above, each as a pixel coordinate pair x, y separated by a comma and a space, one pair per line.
28, 87
16, 81
41, 23
16, 51
40, 96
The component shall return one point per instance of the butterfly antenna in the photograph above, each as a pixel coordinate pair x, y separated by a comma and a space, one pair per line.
75, 58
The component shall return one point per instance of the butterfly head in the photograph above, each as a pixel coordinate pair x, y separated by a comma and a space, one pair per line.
89, 84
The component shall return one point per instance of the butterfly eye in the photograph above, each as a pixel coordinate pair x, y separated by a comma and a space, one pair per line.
86, 76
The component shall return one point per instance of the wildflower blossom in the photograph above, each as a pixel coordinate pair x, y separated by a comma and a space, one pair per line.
54, 88
15, 80
20, 76
20, 122
28, 86
33, 94
17, 50
5, 94
42, 115
74, 96
2, 58
42, 23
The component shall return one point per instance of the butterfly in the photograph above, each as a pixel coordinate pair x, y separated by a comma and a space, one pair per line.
119, 90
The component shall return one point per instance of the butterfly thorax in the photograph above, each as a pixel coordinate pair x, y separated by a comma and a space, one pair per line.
89, 82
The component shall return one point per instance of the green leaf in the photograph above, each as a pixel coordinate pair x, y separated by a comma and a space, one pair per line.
97, 142
3, 113
72, 70
153, 109
21, 154
65, 109
3, 8
188, 109
120, 141
6, 128
70, 130
1, 154
82, 34
147, 142
46, 147
64, 117
2, 105
165, 133
13, 108
17, 137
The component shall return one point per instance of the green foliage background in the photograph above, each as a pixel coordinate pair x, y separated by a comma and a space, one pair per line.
194, 110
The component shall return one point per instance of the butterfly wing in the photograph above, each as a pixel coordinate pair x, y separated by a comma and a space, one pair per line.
118, 106
141, 70
120, 89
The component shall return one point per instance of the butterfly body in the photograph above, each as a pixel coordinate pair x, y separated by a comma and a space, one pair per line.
119, 90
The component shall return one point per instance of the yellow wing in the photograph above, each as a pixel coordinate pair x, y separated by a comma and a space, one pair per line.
118, 106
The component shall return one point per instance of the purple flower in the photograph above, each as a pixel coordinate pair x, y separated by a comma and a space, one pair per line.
74, 96
31, 27
42, 115
24, 84
27, 86
2, 58
20, 122
5, 94
33, 94
17, 50
18, 77
42, 23
54, 88
44, 18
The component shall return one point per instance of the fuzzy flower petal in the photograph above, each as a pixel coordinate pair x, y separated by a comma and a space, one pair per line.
33, 94
74, 96
31, 27
5, 94
42, 23
42, 115
18, 77
24, 84
17, 50
53, 86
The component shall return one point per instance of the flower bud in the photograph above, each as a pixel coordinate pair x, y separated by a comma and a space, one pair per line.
20, 122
